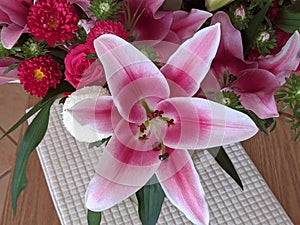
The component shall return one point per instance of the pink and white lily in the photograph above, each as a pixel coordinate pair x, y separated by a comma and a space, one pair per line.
152, 116
254, 81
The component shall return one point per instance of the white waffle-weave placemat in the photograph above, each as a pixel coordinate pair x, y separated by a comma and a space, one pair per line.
68, 167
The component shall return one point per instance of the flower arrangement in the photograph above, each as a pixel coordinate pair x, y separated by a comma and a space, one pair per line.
151, 80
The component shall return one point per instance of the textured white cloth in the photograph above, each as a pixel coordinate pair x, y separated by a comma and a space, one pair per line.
68, 167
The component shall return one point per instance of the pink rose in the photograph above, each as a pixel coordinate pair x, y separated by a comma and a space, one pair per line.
81, 71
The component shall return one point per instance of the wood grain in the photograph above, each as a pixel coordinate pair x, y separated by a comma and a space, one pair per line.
275, 156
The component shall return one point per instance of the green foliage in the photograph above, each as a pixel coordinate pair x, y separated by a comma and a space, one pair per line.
289, 95
224, 161
99, 143
264, 41
94, 218
240, 15
288, 20
32, 137
104, 9
150, 199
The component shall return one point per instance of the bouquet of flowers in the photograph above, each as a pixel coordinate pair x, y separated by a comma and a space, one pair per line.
150, 80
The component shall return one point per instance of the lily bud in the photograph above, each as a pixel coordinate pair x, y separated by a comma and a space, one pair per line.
213, 5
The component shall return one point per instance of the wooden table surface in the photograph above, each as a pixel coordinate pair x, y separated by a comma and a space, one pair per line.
275, 156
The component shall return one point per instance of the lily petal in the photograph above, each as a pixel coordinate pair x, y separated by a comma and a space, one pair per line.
130, 75
97, 113
121, 172
231, 39
285, 61
187, 67
185, 24
181, 184
10, 35
200, 123
256, 88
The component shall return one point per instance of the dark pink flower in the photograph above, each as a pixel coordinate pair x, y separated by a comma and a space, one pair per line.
80, 71
52, 21
39, 74
13, 15
254, 81
105, 27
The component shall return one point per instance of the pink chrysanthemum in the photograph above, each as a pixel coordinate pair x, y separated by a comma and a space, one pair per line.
39, 74
53, 21
105, 27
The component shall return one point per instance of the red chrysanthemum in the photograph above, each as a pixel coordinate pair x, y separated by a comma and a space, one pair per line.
39, 74
53, 21
105, 27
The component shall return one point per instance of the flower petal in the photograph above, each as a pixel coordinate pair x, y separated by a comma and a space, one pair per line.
284, 62
181, 184
187, 67
231, 39
200, 123
256, 88
130, 75
185, 24
121, 171
10, 35
97, 113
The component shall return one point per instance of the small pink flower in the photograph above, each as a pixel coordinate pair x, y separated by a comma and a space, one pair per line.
52, 21
39, 74
105, 27
77, 67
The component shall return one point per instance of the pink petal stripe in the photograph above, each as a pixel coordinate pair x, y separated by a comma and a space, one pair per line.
187, 67
201, 123
102, 193
98, 113
125, 166
183, 187
284, 62
130, 75
185, 24
231, 40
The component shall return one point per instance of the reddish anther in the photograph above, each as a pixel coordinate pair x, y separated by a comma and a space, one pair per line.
171, 122
142, 128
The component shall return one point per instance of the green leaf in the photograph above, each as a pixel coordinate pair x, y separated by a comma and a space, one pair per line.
32, 137
253, 28
150, 199
224, 161
93, 218
288, 20
50, 97
11, 67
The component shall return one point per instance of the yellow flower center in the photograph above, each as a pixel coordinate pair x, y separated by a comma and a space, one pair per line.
53, 23
38, 74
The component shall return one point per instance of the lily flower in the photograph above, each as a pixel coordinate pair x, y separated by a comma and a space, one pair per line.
149, 23
254, 81
153, 120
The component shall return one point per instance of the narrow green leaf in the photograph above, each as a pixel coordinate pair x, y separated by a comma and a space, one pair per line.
288, 20
254, 25
94, 218
32, 137
11, 67
224, 161
150, 199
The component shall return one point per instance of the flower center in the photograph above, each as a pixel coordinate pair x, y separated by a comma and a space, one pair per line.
240, 11
264, 36
104, 7
38, 74
53, 23
154, 123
